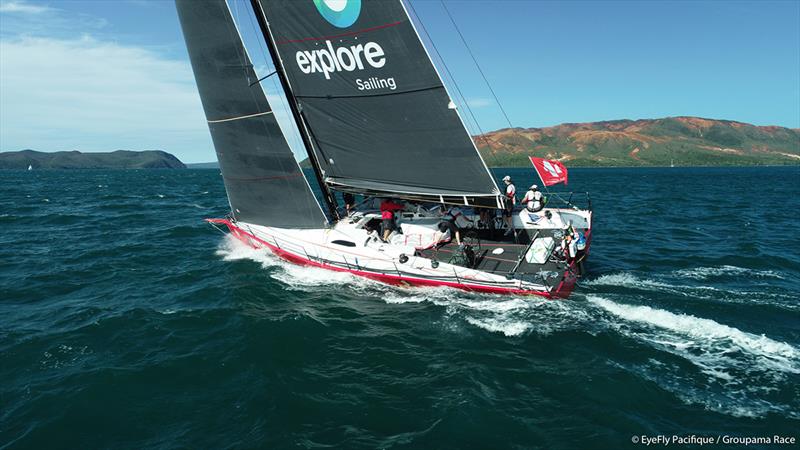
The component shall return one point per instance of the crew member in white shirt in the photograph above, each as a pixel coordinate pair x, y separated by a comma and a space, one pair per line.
533, 200
511, 200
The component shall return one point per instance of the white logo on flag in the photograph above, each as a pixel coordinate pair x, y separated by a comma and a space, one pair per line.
552, 169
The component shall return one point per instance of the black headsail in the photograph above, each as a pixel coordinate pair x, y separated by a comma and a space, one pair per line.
264, 182
372, 102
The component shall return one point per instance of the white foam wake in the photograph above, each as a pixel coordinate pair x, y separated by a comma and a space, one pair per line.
489, 312
706, 333
506, 315
500, 325
704, 273
294, 276
742, 370
627, 280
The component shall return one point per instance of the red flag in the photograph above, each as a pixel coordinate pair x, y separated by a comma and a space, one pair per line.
551, 172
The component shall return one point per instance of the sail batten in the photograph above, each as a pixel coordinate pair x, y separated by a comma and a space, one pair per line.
264, 183
384, 94
247, 116
371, 99
352, 33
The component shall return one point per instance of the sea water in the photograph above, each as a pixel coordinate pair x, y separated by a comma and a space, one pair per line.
128, 322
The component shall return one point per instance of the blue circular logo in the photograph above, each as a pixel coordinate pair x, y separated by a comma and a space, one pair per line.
339, 13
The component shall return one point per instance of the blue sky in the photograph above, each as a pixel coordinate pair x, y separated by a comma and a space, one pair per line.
105, 75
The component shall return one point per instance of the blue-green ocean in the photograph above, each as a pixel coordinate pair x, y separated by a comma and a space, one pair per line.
126, 322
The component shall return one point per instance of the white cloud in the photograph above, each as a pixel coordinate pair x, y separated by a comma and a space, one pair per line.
91, 95
64, 89
478, 102
22, 8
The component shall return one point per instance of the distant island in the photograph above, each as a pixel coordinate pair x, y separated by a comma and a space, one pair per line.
120, 159
679, 141
205, 165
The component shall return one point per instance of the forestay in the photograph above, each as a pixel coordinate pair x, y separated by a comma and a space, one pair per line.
376, 110
264, 183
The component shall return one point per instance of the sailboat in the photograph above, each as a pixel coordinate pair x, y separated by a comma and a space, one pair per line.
30, 166
377, 122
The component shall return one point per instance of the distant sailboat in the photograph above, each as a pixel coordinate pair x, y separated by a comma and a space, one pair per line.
377, 121
672, 163
30, 167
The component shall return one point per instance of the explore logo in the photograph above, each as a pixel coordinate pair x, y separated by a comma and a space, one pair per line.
339, 13
328, 59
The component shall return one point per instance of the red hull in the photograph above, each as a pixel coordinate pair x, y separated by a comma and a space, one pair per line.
562, 291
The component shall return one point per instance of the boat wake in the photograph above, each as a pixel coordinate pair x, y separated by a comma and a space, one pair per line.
692, 336
705, 273
678, 283
295, 277
736, 372
510, 316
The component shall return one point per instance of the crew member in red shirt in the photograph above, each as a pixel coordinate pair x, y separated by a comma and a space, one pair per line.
388, 208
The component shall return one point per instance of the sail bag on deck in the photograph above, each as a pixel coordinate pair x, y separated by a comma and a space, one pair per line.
264, 183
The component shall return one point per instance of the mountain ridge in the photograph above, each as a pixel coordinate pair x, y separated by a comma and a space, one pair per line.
683, 140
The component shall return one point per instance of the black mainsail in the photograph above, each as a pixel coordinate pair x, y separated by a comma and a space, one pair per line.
376, 110
264, 183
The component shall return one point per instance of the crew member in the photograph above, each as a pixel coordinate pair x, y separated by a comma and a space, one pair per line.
486, 217
388, 209
455, 215
533, 200
349, 202
447, 229
511, 200
570, 247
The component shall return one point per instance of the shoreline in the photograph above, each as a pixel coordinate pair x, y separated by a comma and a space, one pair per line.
189, 167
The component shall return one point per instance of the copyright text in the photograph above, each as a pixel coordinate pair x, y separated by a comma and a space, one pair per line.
694, 439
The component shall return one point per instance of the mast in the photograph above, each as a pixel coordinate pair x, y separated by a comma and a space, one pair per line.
330, 200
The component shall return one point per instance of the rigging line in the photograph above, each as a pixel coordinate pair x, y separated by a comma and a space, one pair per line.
446, 67
485, 80
483, 75
262, 52
263, 78
267, 63
452, 78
